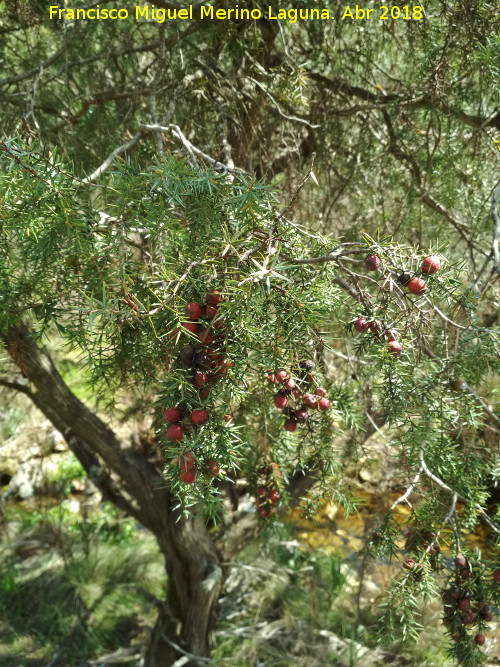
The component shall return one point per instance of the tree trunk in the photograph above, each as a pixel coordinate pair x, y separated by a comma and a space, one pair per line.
185, 628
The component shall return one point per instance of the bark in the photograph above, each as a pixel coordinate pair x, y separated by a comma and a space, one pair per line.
186, 621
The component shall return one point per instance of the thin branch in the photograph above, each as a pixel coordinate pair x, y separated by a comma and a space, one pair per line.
215, 163
15, 78
409, 491
108, 161
466, 387
443, 316
295, 119
176, 131
15, 386
496, 225
191, 656
447, 488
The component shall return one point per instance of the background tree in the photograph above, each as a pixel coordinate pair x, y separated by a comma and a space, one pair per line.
401, 120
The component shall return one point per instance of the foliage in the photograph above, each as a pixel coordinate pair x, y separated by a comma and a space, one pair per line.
88, 583
325, 144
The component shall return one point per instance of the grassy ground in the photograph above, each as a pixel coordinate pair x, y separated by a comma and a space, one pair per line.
74, 588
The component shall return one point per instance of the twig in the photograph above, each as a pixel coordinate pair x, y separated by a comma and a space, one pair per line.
442, 315
193, 149
15, 78
295, 119
447, 488
191, 656
409, 491
178, 284
15, 386
176, 131
107, 162
496, 225
298, 189
466, 387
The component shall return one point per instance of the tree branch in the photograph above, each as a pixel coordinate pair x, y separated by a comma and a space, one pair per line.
15, 78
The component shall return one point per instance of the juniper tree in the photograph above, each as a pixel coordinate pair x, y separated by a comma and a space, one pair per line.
119, 274
214, 128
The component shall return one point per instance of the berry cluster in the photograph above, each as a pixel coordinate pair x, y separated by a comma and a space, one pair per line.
464, 604
298, 394
205, 356
416, 285
420, 541
206, 363
377, 327
188, 467
267, 494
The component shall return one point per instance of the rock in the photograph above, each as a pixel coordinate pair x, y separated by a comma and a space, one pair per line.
56, 442
365, 475
21, 485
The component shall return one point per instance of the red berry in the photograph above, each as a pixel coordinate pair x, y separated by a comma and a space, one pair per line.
199, 417
274, 470
296, 393
272, 378
320, 391
460, 561
206, 338
282, 375
193, 310
311, 401
376, 326
212, 298
409, 564
417, 285
324, 404
496, 576
185, 461
290, 425
199, 378
468, 619
190, 326
261, 492
431, 264
362, 325
204, 393
289, 384
222, 366
210, 312
465, 574
175, 433
220, 324
301, 414
213, 467
464, 604
188, 477
172, 415
263, 512
215, 355
280, 401
274, 496
372, 262
394, 348
479, 639
391, 335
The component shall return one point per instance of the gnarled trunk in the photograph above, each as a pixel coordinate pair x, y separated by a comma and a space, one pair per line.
186, 620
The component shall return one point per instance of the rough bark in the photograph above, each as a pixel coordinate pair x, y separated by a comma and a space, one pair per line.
186, 621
